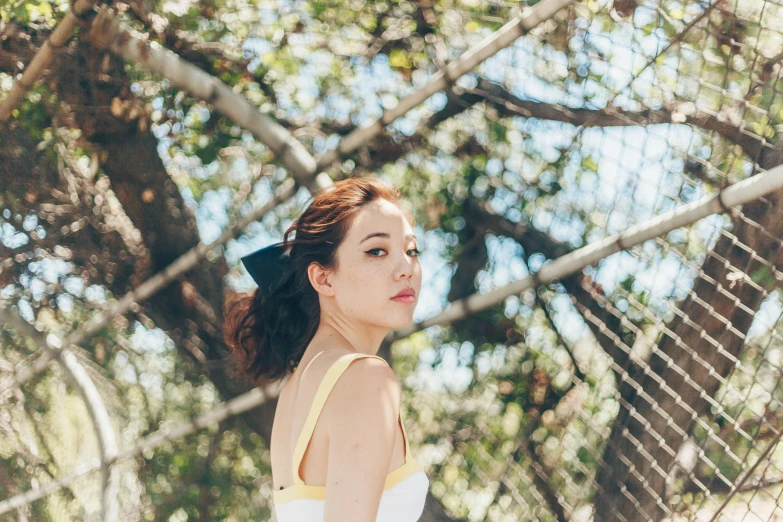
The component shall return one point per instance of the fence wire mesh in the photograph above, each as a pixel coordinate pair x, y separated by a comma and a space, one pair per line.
646, 386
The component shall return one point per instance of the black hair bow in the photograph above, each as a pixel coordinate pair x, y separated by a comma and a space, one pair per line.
269, 267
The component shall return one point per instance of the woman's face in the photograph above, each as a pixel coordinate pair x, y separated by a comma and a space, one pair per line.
377, 259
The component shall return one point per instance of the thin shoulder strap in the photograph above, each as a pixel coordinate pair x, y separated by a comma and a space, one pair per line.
311, 361
332, 374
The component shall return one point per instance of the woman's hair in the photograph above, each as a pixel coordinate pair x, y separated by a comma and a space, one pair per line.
268, 335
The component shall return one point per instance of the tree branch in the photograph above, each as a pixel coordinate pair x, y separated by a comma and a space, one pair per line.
93, 402
59, 37
506, 104
107, 32
444, 78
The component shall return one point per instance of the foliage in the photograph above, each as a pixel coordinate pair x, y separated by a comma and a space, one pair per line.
529, 366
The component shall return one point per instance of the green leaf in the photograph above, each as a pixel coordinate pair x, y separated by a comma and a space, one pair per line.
588, 163
400, 59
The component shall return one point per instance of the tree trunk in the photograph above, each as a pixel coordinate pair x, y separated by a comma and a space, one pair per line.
632, 485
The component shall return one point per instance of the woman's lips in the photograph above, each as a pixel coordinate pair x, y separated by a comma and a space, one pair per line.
405, 299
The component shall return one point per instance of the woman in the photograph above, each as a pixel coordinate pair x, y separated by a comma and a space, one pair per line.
339, 449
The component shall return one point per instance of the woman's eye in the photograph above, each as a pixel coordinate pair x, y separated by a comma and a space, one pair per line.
416, 250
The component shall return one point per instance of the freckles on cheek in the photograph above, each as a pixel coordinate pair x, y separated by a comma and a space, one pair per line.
362, 293
367, 287
362, 275
365, 284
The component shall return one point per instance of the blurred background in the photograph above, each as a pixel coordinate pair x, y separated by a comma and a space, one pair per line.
645, 385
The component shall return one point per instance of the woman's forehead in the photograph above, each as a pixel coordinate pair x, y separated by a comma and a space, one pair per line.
384, 217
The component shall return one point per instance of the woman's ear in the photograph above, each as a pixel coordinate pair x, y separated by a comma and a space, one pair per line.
321, 279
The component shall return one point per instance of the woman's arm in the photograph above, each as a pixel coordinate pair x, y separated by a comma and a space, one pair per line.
361, 417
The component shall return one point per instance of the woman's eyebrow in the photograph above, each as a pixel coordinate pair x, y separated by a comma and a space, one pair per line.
383, 234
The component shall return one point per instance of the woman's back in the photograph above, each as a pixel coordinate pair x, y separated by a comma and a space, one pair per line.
300, 443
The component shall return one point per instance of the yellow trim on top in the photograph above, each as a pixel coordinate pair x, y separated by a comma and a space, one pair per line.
300, 490
308, 492
322, 393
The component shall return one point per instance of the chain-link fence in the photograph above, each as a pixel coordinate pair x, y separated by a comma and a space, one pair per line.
616, 353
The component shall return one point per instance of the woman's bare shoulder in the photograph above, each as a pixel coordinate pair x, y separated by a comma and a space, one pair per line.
362, 373
365, 383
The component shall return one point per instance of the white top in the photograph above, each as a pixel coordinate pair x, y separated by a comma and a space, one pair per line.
404, 492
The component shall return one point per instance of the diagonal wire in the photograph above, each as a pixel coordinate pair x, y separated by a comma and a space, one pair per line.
491, 45
107, 444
